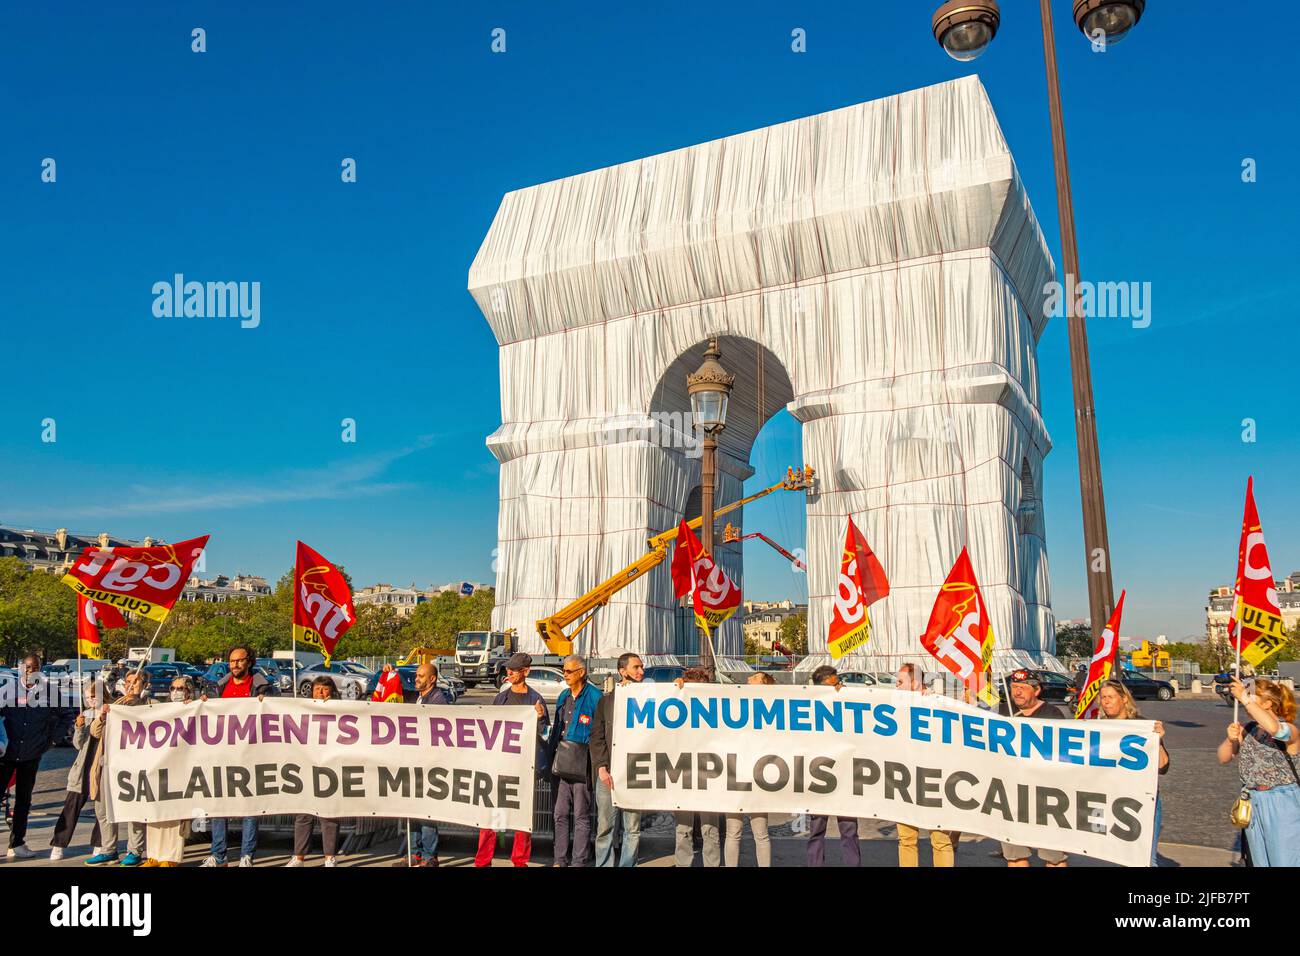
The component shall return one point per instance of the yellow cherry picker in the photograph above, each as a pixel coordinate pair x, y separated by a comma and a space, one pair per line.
553, 629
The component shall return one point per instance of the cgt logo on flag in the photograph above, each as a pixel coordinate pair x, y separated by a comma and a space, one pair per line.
89, 616
959, 635
862, 583
1255, 627
388, 689
714, 595
144, 581
1103, 662
322, 602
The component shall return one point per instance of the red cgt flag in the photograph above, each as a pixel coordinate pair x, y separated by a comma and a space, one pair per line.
1256, 622
862, 583
322, 602
959, 634
144, 581
715, 596
388, 689
89, 616
1103, 663
681, 564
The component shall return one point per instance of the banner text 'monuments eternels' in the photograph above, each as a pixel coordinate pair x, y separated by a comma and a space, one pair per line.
972, 729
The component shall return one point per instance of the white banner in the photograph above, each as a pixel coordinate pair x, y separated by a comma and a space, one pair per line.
472, 765
1086, 787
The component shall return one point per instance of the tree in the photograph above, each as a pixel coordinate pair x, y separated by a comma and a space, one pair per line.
1074, 640
38, 613
794, 633
436, 623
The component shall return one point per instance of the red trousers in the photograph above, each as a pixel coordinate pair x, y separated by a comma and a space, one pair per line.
487, 844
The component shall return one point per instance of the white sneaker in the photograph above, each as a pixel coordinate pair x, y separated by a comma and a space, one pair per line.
56, 853
21, 852
293, 861
329, 861
245, 861
210, 861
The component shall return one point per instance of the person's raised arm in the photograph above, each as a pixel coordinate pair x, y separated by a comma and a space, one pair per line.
1267, 720
1231, 744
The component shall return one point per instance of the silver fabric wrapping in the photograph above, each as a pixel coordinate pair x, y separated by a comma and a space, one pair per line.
876, 270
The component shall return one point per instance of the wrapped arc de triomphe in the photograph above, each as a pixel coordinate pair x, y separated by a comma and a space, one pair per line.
876, 270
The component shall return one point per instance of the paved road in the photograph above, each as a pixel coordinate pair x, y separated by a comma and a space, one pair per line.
1197, 793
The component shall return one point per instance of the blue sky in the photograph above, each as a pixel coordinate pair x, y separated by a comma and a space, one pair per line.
225, 165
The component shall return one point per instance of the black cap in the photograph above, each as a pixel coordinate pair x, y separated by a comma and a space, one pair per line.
518, 661
1023, 676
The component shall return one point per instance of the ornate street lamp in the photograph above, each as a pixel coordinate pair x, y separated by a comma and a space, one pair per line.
965, 28
709, 388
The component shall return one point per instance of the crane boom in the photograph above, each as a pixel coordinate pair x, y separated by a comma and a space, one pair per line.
731, 534
552, 629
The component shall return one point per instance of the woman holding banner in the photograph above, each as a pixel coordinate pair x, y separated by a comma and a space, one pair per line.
322, 688
79, 776
165, 842
1115, 702
1268, 747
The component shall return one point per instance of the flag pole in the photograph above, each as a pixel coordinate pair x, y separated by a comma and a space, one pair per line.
81, 687
1236, 704
152, 642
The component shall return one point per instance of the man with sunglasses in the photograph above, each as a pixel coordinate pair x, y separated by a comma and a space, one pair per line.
1025, 689
517, 693
574, 711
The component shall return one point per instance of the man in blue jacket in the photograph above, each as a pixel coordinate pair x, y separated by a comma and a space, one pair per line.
574, 712
32, 722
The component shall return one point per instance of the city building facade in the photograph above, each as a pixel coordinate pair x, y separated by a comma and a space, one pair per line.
242, 587
762, 620
1218, 608
55, 551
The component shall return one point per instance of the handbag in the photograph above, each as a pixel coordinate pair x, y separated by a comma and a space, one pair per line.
1239, 815
571, 762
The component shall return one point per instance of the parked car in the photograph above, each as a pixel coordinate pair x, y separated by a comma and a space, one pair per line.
277, 672
350, 678
1057, 688
1144, 687
859, 679
409, 693
159, 679
547, 681
218, 669
661, 673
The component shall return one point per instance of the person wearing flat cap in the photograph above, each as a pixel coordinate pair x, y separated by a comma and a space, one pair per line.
1025, 689
515, 691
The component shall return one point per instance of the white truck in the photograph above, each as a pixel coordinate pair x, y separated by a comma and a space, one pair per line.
481, 655
304, 658
151, 655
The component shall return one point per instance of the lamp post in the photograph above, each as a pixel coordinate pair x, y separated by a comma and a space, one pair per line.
965, 28
709, 387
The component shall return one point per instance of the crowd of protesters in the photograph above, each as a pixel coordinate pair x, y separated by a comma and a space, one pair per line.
575, 752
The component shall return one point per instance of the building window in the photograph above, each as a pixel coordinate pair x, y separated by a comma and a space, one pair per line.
1027, 517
